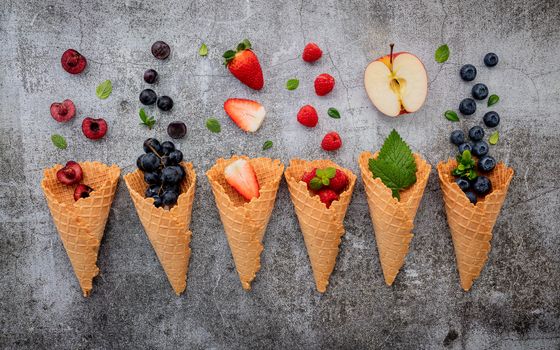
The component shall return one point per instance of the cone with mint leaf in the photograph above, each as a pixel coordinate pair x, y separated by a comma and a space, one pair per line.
473, 202
394, 180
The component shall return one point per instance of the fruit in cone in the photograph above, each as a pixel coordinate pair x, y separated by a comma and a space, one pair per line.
397, 83
471, 225
245, 221
393, 220
80, 224
322, 227
167, 230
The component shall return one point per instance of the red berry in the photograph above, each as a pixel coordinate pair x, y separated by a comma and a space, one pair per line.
311, 53
82, 191
324, 83
308, 176
307, 116
339, 182
63, 111
73, 62
327, 196
331, 141
94, 128
71, 174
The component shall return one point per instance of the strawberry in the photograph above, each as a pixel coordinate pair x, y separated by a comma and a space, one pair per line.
311, 53
308, 176
339, 182
307, 116
331, 141
241, 176
245, 66
247, 114
327, 196
324, 83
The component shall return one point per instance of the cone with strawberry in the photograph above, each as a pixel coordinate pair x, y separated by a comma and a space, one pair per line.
321, 191
244, 65
245, 191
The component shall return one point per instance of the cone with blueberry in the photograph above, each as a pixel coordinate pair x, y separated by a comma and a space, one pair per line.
245, 191
394, 181
321, 191
79, 196
162, 190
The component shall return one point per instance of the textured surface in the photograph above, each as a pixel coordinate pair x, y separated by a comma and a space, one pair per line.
514, 304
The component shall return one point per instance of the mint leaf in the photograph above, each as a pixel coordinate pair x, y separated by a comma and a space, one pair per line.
396, 151
146, 119
213, 125
315, 183
442, 53
451, 115
465, 166
292, 84
333, 113
493, 139
203, 50
59, 141
493, 99
267, 144
104, 89
330, 172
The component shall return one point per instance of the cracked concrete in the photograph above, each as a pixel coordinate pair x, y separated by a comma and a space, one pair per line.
515, 304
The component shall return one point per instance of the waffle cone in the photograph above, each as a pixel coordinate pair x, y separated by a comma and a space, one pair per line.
471, 225
80, 224
322, 228
245, 222
167, 230
393, 220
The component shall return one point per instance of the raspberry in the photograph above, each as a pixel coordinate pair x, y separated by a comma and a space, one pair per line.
324, 83
311, 53
307, 116
308, 176
327, 196
331, 141
339, 182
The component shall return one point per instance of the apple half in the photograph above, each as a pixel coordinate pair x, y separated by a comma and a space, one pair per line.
397, 83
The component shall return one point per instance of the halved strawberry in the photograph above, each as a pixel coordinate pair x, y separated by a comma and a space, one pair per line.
247, 114
241, 176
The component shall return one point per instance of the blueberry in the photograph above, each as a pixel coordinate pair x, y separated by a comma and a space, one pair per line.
165, 103
169, 198
151, 178
176, 130
150, 162
150, 76
139, 162
148, 97
152, 145
486, 163
482, 185
167, 147
491, 119
471, 196
170, 175
491, 59
479, 91
468, 72
176, 156
465, 147
467, 106
476, 133
157, 201
480, 148
160, 50
457, 137
464, 184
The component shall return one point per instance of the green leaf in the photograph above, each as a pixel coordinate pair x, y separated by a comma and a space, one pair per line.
396, 151
330, 172
326, 181
442, 53
203, 51
267, 144
320, 173
229, 54
451, 115
213, 125
104, 89
146, 119
247, 44
493, 139
292, 84
316, 183
493, 99
59, 141
333, 113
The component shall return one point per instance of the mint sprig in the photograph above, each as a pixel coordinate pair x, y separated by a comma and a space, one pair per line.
322, 178
466, 166
146, 119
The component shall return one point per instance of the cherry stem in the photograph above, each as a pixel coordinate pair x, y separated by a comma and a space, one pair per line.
391, 55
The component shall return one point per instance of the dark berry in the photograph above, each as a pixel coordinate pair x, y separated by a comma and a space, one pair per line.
482, 185
150, 76
167, 147
176, 157
73, 62
464, 184
486, 163
157, 201
94, 129
152, 145
175, 188
476, 133
467, 106
151, 178
457, 137
471, 196
150, 162
148, 97
468, 72
169, 198
179, 169
491, 119
152, 191
480, 148
491, 59
176, 130
160, 50
139, 162
479, 91
465, 147
165, 103
169, 175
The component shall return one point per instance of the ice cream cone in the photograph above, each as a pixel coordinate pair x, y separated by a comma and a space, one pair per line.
168, 230
471, 225
393, 220
81, 223
245, 222
322, 228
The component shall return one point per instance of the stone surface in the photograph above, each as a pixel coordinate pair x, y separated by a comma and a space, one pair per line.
515, 303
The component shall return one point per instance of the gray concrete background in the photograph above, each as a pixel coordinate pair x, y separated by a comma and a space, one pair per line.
515, 304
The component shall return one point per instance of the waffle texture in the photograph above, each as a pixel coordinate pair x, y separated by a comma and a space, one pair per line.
393, 220
80, 224
168, 230
322, 228
245, 222
471, 225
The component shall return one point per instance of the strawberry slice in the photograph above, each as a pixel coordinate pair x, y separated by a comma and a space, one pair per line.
247, 114
241, 176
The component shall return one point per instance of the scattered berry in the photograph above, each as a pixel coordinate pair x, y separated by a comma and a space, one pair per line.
468, 72
242, 177
476, 133
339, 182
471, 196
324, 83
465, 147
486, 163
160, 50
71, 174
94, 128
311, 53
73, 62
148, 97
245, 66
307, 116
464, 184
327, 196
331, 141
247, 114
482, 185
150, 76
480, 148
479, 91
467, 106
457, 137
63, 111
176, 130
165, 103
82, 191
491, 119
308, 176
491, 59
